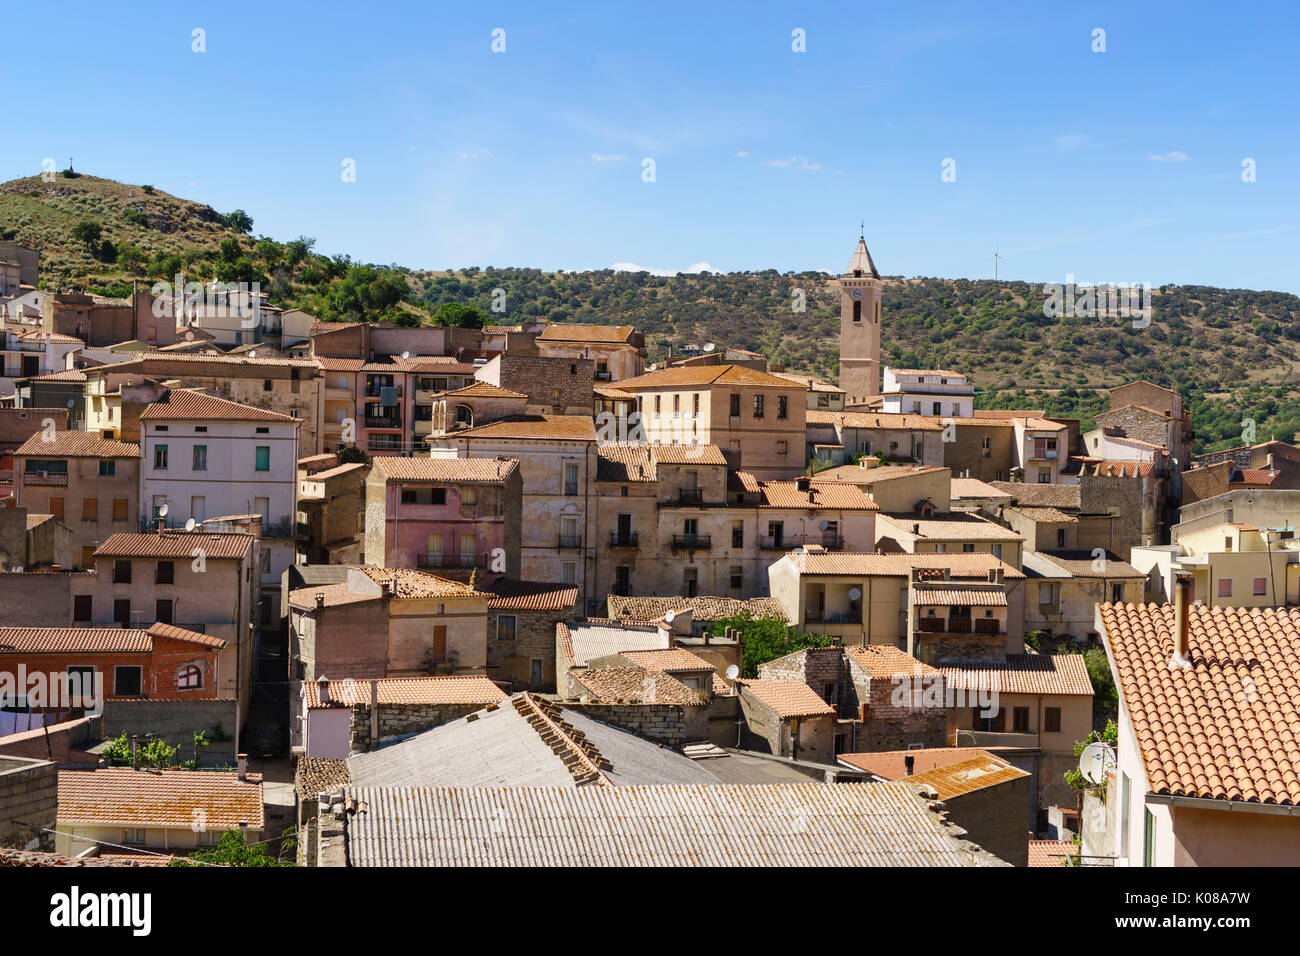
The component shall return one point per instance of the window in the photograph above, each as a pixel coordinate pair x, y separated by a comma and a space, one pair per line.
160, 457
107, 468
1060, 537
1051, 720
424, 496
263, 462
89, 509
956, 408
1044, 478
81, 608
782, 406
1116, 593
506, 625
126, 681
189, 677
857, 310
200, 457
1225, 587
696, 404
1259, 586
1020, 720
1149, 839
1047, 593
162, 611
570, 477
758, 406
690, 582
212, 835
623, 579
121, 572
469, 495
266, 385
968, 548
738, 534
535, 671
133, 837
936, 409
737, 577
783, 448
119, 509
569, 573
122, 611
659, 404
165, 573
735, 406
677, 403
201, 429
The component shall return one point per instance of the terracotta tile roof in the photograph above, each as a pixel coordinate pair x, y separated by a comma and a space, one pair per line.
636, 685
892, 764
1082, 564
967, 776
576, 332
828, 496
334, 595
857, 475
175, 544
1228, 726
958, 597
58, 640
1051, 852
332, 363
889, 421
120, 796
702, 607
455, 689
1041, 495
485, 390
809, 382
538, 427
67, 375
885, 661
698, 376
687, 454
625, 463
515, 595
1112, 468
75, 444
671, 661
1057, 674
1048, 515
478, 471
612, 392
789, 698
183, 405
952, 526
419, 584
974, 488
973, 565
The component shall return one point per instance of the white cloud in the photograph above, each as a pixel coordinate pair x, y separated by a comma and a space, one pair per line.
474, 154
1173, 156
608, 157
690, 270
741, 154
798, 162
1070, 141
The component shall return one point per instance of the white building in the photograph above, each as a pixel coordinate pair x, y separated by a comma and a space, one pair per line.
206, 458
933, 392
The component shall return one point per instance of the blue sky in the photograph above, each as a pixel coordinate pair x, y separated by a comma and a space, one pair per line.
1117, 166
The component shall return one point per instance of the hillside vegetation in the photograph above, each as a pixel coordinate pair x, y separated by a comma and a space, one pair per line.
1231, 352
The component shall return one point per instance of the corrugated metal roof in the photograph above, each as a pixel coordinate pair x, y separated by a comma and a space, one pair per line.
814, 824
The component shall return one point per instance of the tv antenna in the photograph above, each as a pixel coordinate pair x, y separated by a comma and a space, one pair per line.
996, 257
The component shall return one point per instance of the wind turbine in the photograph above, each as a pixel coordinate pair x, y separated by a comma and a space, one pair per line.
996, 257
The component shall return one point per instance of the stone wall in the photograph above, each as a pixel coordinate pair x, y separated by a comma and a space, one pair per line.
660, 723
891, 727
176, 721
534, 640
1137, 423
29, 800
931, 648
994, 818
397, 720
563, 384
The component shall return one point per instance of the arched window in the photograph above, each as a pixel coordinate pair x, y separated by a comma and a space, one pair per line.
189, 677
465, 416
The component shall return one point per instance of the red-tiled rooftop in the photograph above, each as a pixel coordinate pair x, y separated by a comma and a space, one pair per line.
120, 796
450, 689
183, 405
58, 640
476, 471
76, 444
789, 698
175, 544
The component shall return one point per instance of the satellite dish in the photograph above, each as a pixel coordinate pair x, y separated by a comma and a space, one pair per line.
709, 347
253, 354
189, 525
823, 525
1095, 761
732, 672
668, 616
406, 355
189, 336
854, 594
652, 368
162, 512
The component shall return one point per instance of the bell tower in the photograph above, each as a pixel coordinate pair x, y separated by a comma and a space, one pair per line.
860, 328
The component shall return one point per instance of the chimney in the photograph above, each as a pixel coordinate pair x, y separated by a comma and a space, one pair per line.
909, 762
803, 482
241, 761
323, 690
320, 600
1182, 600
916, 528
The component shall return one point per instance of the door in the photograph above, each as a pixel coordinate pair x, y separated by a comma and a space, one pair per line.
433, 551
468, 542
439, 643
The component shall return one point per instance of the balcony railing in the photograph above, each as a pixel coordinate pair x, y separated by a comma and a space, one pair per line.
835, 617
570, 541
383, 422
959, 625
604, 376
690, 496
789, 542
692, 542
622, 539
465, 560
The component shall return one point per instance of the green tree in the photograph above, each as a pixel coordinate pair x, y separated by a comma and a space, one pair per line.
458, 315
233, 849
765, 639
88, 231
130, 256
239, 220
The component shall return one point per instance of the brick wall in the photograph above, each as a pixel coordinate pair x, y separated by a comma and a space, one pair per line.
29, 800
893, 727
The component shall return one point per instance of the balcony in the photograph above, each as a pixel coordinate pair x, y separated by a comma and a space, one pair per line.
1041, 455
836, 617
34, 479
622, 539
464, 560
570, 541
690, 496
959, 625
604, 376
790, 542
692, 542
383, 422
988, 738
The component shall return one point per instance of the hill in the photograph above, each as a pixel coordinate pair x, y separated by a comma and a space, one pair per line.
1231, 352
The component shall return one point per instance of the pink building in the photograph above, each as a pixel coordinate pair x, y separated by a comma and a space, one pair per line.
445, 514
